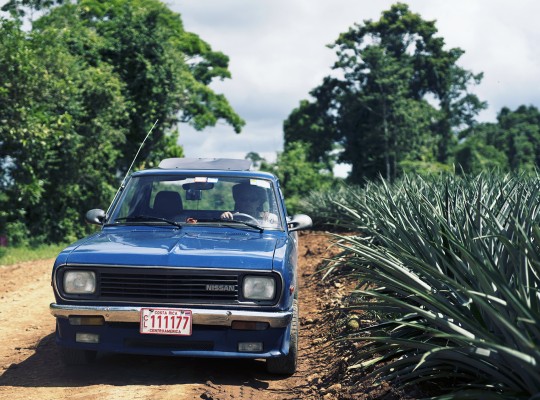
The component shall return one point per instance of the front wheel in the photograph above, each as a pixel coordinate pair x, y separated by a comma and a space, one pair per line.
286, 365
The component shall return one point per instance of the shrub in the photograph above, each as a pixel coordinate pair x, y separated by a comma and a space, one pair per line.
17, 233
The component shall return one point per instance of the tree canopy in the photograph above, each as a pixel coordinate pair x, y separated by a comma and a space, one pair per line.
397, 94
298, 177
78, 94
510, 144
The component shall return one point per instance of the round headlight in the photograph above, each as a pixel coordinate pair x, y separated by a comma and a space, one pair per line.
79, 282
259, 287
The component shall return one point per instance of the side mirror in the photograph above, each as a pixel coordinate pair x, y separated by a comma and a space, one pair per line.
95, 216
299, 222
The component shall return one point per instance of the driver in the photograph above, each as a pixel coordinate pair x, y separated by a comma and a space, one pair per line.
249, 199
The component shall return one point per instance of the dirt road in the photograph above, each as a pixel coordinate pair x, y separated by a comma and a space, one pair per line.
31, 369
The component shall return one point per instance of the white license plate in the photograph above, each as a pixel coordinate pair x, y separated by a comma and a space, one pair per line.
166, 321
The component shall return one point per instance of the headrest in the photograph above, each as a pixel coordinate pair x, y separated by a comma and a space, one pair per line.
168, 200
244, 190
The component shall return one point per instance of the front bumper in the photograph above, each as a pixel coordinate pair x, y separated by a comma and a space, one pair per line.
212, 336
278, 319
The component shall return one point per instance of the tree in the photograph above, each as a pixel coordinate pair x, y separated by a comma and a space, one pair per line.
314, 124
20, 8
297, 175
255, 158
510, 144
78, 94
398, 94
475, 155
518, 137
380, 124
166, 70
61, 136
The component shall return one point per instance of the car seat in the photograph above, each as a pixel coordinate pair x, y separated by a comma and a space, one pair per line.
243, 190
167, 204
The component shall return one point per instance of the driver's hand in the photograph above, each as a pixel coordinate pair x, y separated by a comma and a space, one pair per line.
227, 215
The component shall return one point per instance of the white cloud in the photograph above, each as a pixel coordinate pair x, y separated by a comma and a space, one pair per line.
278, 53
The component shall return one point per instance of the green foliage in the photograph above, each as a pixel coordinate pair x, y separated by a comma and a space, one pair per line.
453, 264
255, 158
424, 168
56, 109
380, 113
298, 176
18, 233
511, 144
16, 8
311, 124
475, 155
79, 92
19, 254
325, 207
165, 70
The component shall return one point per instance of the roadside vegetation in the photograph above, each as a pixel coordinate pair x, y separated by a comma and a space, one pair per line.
81, 84
448, 268
14, 255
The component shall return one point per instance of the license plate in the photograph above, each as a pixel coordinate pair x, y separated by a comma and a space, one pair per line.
166, 321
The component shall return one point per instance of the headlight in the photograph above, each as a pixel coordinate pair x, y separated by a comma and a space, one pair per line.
79, 282
259, 287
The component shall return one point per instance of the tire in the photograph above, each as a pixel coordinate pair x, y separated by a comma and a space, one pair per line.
286, 365
71, 356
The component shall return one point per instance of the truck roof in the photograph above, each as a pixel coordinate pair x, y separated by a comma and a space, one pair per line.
227, 164
208, 167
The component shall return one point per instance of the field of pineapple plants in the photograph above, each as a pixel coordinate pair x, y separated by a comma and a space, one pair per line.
449, 270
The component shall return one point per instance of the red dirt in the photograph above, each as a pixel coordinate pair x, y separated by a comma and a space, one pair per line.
31, 369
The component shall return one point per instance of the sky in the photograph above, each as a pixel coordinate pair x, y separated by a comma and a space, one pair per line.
278, 54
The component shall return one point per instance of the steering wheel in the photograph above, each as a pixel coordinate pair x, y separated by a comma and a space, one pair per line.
245, 218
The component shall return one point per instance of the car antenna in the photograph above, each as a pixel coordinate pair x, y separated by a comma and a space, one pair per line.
138, 151
123, 184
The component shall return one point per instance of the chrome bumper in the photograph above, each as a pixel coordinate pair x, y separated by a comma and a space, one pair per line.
279, 319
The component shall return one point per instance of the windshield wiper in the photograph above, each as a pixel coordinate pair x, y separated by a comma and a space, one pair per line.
229, 221
139, 218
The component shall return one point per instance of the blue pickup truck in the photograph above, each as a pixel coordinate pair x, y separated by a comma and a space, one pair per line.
197, 257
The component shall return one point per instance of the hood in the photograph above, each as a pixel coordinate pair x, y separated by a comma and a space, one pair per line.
146, 246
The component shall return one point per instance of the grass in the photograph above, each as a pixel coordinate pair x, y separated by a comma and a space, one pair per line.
454, 266
14, 255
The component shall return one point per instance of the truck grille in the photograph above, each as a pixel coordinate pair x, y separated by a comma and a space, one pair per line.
170, 286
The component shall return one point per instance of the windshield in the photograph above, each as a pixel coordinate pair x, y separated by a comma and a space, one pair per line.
200, 199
